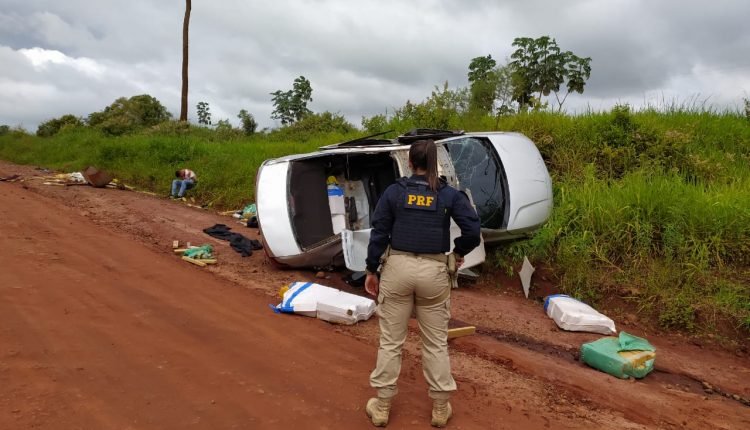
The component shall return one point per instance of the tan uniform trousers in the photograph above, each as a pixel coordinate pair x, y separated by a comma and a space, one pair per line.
408, 281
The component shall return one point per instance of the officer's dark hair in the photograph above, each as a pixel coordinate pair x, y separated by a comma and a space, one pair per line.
423, 155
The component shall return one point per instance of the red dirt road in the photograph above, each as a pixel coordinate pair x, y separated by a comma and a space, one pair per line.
102, 327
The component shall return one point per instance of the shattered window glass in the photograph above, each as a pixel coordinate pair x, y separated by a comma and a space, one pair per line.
478, 170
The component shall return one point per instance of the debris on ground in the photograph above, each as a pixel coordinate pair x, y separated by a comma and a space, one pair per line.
461, 331
626, 356
325, 303
96, 178
573, 315
198, 255
247, 216
525, 274
205, 251
11, 178
237, 241
89, 176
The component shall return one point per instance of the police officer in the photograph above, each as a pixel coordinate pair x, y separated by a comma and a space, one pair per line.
411, 233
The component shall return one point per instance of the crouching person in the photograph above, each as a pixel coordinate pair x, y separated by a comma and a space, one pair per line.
186, 180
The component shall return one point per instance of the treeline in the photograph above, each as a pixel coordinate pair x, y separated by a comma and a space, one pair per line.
539, 70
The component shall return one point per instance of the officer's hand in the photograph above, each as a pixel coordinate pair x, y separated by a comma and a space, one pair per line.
372, 284
459, 261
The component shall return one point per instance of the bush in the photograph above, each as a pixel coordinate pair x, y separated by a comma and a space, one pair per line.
315, 124
53, 126
4, 129
129, 115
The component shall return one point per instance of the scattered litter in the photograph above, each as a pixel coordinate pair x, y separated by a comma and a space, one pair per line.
624, 356
175, 244
199, 252
249, 211
76, 177
95, 177
11, 178
198, 255
325, 303
320, 275
573, 315
194, 261
525, 274
89, 176
461, 331
237, 241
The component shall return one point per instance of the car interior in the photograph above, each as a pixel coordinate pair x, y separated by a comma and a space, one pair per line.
320, 210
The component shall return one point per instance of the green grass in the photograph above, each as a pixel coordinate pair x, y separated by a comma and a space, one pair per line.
651, 206
226, 169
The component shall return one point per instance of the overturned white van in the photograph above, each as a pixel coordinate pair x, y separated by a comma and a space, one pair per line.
503, 174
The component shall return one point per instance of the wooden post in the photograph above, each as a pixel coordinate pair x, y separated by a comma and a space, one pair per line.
461, 331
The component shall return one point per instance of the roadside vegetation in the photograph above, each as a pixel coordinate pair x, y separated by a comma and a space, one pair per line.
652, 209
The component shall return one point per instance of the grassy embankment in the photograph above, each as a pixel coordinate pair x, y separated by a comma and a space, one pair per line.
651, 207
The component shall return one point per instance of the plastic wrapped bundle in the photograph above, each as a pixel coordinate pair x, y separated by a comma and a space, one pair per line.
626, 356
573, 315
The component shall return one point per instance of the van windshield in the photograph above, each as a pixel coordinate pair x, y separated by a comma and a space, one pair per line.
478, 170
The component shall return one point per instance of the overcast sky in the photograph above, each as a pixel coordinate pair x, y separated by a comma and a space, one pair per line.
362, 57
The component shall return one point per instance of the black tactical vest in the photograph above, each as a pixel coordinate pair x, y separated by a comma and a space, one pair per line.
422, 218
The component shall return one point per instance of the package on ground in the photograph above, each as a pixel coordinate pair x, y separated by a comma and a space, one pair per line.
325, 303
624, 356
198, 252
573, 315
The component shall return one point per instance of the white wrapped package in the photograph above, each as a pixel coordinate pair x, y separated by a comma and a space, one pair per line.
326, 303
573, 315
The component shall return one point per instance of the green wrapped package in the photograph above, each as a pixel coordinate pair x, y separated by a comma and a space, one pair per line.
626, 356
199, 252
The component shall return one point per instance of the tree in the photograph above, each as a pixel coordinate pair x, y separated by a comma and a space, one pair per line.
441, 110
204, 113
247, 120
540, 67
53, 126
126, 115
290, 106
185, 25
503, 90
482, 83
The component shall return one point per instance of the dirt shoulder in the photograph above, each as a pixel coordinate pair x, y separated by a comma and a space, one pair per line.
101, 326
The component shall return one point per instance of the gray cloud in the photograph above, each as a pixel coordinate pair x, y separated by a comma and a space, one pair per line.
362, 57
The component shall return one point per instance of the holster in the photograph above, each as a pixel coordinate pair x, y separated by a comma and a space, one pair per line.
452, 269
